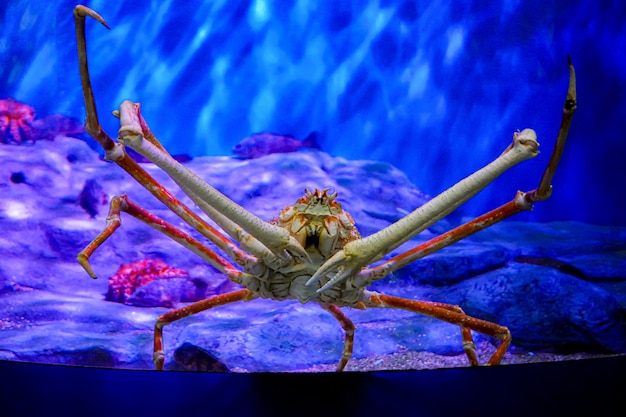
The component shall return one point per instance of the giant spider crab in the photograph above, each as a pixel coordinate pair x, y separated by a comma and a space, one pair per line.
312, 251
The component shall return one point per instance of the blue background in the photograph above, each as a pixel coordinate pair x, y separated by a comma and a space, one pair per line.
435, 87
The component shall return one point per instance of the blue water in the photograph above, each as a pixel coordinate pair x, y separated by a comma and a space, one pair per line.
436, 88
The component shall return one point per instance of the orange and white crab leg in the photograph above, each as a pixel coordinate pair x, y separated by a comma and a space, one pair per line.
246, 241
348, 328
451, 314
369, 275
278, 240
524, 201
361, 252
115, 151
195, 308
122, 203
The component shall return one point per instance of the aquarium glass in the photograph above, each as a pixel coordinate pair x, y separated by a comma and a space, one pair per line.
386, 103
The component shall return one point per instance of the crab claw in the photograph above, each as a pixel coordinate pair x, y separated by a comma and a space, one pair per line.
83, 11
333, 264
358, 253
345, 263
294, 248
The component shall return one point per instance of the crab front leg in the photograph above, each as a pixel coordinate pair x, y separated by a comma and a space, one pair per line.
131, 114
278, 240
358, 253
115, 152
524, 201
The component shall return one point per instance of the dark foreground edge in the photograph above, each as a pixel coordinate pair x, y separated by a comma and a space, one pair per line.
586, 387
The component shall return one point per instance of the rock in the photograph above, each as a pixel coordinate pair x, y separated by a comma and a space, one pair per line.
51, 311
169, 292
544, 309
455, 264
192, 358
92, 197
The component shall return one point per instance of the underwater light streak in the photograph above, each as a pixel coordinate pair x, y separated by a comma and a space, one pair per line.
429, 71
201, 36
74, 224
456, 40
40, 68
16, 210
373, 18
259, 14
418, 76
262, 109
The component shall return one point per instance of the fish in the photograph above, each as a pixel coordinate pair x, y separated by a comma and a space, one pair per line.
266, 143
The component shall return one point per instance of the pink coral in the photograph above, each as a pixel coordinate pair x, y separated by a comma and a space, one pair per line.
131, 276
15, 121
18, 124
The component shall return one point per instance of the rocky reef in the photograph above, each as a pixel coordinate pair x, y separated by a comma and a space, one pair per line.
560, 287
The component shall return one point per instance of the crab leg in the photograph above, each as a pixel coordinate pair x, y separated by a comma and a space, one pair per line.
524, 201
451, 314
132, 111
122, 203
369, 275
92, 125
276, 239
348, 327
197, 307
358, 253
115, 151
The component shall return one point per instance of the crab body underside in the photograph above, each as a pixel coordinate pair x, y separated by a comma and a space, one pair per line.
312, 251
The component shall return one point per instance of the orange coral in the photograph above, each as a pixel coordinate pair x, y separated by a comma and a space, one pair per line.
15, 121
131, 276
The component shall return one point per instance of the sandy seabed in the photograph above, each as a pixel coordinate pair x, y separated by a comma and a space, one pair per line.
414, 361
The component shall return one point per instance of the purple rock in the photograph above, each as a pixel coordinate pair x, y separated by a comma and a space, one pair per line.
168, 292
51, 311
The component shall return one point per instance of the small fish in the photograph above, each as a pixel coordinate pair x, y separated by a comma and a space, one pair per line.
262, 144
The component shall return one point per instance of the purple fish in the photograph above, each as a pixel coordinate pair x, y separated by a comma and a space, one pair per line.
261, 144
